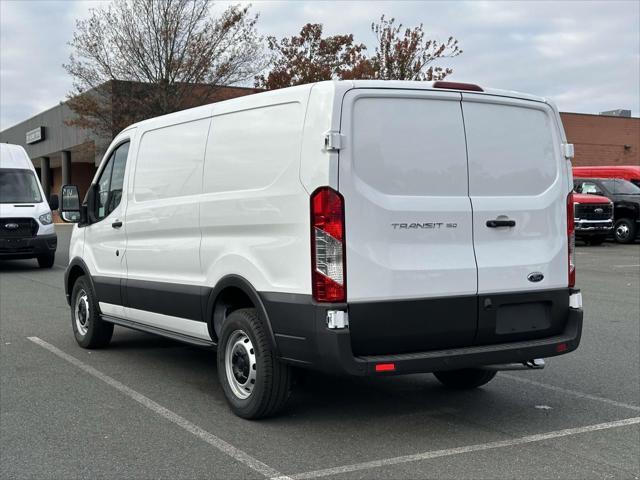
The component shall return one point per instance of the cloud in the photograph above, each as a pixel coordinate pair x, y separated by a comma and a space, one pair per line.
584, 55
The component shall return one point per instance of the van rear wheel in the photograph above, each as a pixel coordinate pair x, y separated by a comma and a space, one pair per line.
255, 383
466, 378
88, 328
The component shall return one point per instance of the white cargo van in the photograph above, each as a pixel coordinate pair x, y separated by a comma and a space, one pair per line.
26, 222
364, 228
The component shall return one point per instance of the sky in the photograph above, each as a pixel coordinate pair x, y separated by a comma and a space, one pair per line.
584, 55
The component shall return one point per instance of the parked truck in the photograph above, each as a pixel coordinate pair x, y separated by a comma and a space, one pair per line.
593, 218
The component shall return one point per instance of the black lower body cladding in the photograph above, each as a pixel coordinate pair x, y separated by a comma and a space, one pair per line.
425, 335
421, 335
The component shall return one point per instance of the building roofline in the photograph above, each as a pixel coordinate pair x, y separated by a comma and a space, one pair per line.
599, 115
63, 102
33, 116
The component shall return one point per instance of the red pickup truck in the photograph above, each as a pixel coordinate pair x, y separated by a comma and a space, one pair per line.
593, 217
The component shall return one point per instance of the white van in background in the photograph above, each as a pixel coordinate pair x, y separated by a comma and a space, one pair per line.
26, 222
356, 227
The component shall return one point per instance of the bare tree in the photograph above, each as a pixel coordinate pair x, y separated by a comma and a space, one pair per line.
407, 55
162, 49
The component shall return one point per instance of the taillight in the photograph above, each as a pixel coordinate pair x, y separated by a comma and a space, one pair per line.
571, 241
327, 246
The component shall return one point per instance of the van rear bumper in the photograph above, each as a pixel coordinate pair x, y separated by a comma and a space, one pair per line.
338, 358
303, 339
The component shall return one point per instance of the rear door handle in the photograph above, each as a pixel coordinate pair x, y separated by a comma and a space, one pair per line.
500, 223
116, 224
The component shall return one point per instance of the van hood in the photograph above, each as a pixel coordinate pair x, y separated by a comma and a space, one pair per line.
23, 210
584, 198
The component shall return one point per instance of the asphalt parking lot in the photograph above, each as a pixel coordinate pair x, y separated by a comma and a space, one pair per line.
147, 407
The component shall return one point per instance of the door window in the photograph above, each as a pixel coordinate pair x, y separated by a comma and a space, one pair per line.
110, 182
117, 177
588, 188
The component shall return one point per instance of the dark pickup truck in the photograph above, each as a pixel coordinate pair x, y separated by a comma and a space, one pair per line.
626, 203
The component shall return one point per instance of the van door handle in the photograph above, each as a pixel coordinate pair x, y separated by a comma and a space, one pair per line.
500, 223
116, 224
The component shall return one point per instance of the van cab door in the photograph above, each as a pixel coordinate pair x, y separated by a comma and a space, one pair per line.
105, 236
518, 186
411, 271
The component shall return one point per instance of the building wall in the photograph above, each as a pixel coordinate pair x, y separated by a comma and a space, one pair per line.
58, 135
601, 140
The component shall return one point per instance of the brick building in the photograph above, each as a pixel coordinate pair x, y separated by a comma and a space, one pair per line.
603, 139
65, 154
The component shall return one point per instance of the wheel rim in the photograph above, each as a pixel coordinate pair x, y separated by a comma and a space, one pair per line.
622, 231
82, 313
240, 364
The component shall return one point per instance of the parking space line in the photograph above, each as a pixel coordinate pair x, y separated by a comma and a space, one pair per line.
214, 441
575, 393
459, 450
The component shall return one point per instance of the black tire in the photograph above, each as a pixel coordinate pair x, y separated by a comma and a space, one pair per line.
625, 230
464, 379
94, 332
597, 240
46, 261
271, 384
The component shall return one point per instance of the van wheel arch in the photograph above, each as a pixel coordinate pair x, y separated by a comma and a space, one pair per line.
231, 293
75, 270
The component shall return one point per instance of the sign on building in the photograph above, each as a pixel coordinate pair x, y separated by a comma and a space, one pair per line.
36, 135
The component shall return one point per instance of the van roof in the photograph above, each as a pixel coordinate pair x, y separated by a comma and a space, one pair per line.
339, 86
14, 156
419, 85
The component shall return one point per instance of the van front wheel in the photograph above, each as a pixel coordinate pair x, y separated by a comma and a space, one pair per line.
88, 328
466, 378
255, 383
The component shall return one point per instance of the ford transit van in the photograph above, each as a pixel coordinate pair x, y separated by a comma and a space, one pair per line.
356, 227
26, 221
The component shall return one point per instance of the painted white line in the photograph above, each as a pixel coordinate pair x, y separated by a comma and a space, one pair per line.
216, 442
575, 393
456, 451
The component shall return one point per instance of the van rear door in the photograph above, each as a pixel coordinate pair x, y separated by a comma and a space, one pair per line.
411, 271
518, 189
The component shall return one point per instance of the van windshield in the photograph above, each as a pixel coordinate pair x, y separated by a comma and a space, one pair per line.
19, 186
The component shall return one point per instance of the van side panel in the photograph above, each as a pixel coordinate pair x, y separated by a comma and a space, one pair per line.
162, 218
254, 211
318, 165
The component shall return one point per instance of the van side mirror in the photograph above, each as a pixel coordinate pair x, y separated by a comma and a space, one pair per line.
53, 202
70, 209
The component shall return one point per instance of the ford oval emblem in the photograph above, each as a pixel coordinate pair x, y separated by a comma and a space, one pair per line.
11, 226
598, 210
535, 277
